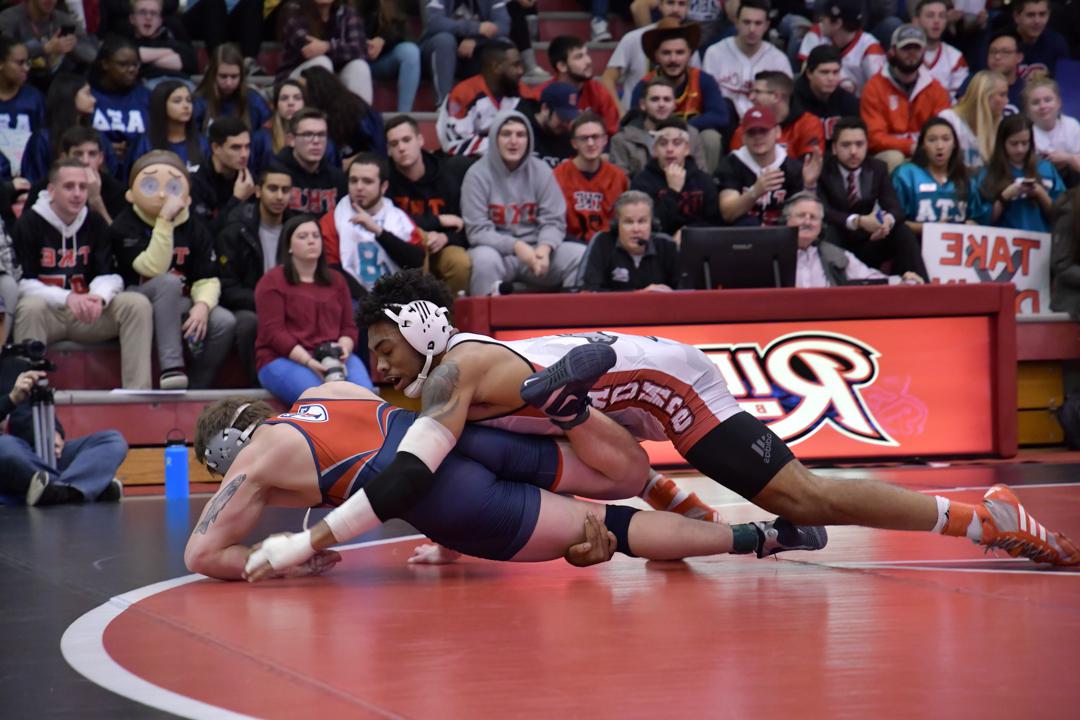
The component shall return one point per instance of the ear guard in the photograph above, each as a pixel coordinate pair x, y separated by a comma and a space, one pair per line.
426, 327
223, 448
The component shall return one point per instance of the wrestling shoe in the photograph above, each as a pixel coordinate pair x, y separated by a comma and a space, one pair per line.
1006, 525
562, 390
780, 535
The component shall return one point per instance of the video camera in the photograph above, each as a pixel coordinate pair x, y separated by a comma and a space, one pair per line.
42, 403
33, 351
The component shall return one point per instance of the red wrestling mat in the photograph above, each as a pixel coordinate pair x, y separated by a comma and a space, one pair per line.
881, 624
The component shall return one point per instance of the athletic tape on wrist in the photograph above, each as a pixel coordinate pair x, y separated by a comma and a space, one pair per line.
353, 517
281, 551
428, 440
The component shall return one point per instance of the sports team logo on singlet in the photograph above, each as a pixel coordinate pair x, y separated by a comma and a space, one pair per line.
803, 381
314, 413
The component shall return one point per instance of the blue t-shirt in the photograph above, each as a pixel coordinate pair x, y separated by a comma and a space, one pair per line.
123, 117
25, 111
1022, 213
925, 200
258, 110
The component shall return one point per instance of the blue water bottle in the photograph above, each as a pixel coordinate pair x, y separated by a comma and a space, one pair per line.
176, 466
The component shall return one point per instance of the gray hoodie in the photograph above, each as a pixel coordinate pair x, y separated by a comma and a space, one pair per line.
501, 206
631, 148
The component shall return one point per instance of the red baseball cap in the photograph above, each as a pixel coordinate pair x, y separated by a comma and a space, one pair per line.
758, 117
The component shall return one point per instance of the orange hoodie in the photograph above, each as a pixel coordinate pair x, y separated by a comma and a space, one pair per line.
893, 119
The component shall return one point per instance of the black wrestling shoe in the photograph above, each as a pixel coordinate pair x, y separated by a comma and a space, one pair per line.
44, 491
780, 535
562, 390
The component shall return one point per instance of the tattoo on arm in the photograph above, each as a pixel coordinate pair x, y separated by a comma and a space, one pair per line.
438, 391
218, 504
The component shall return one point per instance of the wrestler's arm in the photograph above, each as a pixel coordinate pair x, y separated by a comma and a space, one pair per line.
215, 547
447, 395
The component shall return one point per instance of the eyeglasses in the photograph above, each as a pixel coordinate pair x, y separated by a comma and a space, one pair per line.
311, 136
598, 137
21, 63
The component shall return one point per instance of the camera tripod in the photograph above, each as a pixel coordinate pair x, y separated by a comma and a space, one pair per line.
43, 411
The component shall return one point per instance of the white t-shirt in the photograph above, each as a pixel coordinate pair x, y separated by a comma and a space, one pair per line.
862, 59
1065, 137
735, 72
948, 66
630, 58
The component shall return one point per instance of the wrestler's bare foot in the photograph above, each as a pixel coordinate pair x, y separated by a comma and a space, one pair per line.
432, 554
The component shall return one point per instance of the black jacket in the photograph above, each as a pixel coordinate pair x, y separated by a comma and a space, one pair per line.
840, 104
212, 197
696, 204
610, 267
193, 248
438, 192
318, 192
874, 186
240, 256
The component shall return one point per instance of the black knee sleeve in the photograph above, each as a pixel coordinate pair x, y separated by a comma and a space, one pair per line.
617, 520
400, 486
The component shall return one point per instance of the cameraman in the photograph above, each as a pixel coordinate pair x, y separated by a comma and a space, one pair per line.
85, 468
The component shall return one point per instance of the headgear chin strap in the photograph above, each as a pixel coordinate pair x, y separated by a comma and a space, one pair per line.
426, 327
221, 450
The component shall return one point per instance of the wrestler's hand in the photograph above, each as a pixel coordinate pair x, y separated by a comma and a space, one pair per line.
319, 563
432, 554
598, 547
283, 550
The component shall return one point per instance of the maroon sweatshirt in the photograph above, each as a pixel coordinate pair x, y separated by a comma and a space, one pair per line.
306, 314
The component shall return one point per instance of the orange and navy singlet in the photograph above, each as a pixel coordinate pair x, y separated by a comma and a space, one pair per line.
486, 496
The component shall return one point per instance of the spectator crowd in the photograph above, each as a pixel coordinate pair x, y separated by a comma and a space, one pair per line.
157, 185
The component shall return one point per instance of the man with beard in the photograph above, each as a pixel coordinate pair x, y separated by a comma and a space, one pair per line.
759, 177
632, 146
569, 57
551, 122
629, 63
684, 194
366, 234
428, 188
698, 99
466, 116
246, 249
897, 102
818, 89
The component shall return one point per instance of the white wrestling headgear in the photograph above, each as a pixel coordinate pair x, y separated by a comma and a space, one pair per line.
222, 449
426, 327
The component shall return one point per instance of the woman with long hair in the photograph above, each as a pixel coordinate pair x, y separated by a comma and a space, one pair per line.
69, 102
123, 103
328, 34
1057, 136
1017, 188
302, 305
22, 106
976, 116
353, 126
1065, 256
172, 126
389, 54
289, 97
224, 91
935, 186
